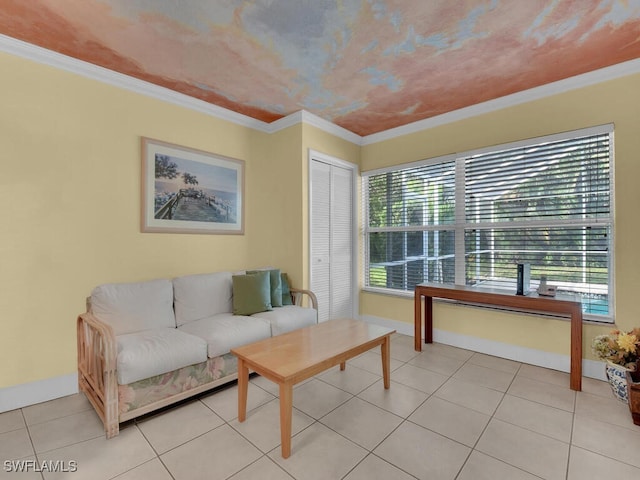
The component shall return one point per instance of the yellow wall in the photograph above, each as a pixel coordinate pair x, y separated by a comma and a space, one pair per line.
70, 155
615, 101
275, 211
280, 167
70, 196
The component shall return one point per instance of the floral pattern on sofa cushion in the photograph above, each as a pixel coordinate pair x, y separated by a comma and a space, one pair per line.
144, 392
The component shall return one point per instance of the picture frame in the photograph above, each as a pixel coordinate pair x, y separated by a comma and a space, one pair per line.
185, 190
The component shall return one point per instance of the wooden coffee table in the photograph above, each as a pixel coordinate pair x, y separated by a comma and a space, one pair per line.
295, 356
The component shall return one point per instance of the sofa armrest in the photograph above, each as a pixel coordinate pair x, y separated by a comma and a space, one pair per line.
97, 354
298, 294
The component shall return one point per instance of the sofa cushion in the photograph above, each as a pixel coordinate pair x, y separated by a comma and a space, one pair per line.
201, 296
251, 293
153, 352
286, 293
225, 331
134, 307
287, 318
275, 284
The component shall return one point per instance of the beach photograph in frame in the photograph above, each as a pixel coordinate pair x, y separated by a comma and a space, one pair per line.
190, 191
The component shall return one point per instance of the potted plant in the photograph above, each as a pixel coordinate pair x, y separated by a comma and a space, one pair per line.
633, 389
621, 351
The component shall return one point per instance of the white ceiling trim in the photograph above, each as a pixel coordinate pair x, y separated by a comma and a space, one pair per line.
303, 116
54, 59
572, 83
48, 57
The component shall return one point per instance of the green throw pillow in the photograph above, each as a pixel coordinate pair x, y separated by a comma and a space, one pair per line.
251, 293
286, 293
276, 285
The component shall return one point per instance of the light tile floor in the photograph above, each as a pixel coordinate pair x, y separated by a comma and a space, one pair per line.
449, 414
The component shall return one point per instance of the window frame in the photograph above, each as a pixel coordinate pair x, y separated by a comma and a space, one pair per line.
461, 226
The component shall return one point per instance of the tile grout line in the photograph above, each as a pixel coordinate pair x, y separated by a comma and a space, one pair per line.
369, 451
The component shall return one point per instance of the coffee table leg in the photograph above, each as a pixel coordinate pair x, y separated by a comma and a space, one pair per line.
286, 404
386, 360
343, 365
243, 385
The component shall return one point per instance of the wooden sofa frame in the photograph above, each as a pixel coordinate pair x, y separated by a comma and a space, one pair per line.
97, 355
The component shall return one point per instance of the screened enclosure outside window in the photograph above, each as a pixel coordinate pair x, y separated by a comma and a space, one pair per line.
411, 226
470, 219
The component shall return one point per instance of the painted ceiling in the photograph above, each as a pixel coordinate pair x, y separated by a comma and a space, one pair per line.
366, 65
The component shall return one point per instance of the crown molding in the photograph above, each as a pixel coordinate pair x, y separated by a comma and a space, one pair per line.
88, 70
57, 60
303, 116
330, 127
285, 122
572, 83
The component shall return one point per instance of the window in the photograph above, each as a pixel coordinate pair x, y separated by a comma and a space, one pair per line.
469, 219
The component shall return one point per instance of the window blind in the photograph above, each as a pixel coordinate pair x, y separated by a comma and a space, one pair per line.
470, 218
411, 221
548, 205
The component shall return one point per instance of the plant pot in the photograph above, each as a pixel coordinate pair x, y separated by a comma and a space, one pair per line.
633, 389
617, 376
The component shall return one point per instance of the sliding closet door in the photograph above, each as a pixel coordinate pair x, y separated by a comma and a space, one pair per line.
332, 239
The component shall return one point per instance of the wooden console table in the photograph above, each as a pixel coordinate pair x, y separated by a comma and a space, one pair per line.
487, 296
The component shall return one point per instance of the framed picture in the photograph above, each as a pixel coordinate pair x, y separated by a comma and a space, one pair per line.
190, 191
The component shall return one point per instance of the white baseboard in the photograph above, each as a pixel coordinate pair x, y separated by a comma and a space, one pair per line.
19, 396
554, 361
26, 394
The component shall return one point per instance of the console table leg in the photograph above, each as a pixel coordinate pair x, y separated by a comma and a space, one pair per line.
417, 321
575, 378
428, 319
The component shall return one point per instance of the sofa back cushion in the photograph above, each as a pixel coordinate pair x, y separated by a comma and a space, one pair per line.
134, 307
200, 296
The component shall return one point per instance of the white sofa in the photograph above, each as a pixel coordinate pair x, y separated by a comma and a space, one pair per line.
142, 346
